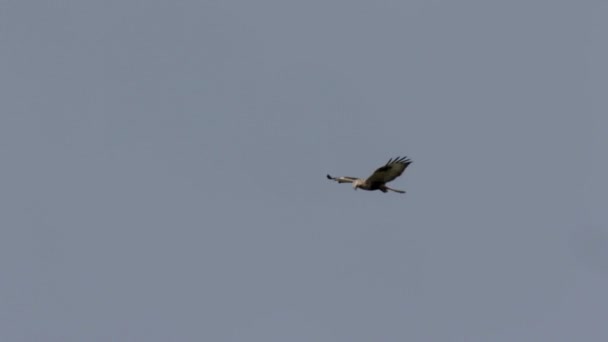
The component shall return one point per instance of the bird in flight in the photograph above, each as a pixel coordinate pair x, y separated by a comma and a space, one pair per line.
377, 181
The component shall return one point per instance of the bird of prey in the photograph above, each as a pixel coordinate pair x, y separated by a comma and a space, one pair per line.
377, 181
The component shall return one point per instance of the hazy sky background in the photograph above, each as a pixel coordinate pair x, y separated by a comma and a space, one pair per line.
163, 170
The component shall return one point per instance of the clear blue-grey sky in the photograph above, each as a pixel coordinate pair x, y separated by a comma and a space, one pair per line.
163, 170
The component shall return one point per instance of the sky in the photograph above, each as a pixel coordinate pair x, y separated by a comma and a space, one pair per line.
163, 170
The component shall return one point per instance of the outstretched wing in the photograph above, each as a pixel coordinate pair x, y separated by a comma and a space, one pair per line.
393, 169
342, 179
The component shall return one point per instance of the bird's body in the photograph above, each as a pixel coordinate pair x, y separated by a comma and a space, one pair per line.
377, 181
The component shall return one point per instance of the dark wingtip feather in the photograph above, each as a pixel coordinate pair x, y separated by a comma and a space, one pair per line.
396, 160
329, 177
400, 160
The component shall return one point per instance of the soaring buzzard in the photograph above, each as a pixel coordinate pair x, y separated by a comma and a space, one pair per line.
377, 181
